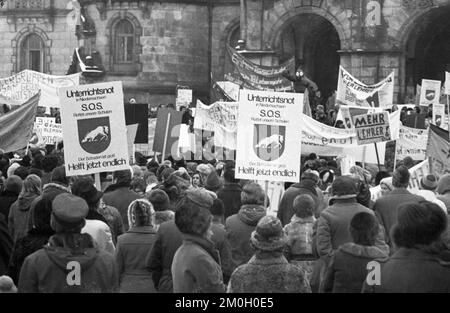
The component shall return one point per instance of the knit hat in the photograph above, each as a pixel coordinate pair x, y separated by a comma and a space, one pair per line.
269, 234
443, 184
213, 182
159, 199
7, 285
141, 213
14, 184
344, 187
69, 211
429, 182
84, 188
59, 176
400, 176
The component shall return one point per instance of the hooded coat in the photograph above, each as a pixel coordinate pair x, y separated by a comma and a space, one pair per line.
239, 228
45, 271
19, 215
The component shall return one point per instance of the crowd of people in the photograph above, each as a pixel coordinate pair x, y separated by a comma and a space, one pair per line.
177, 226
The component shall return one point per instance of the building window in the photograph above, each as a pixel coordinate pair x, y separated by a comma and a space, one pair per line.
124, 42
32, 53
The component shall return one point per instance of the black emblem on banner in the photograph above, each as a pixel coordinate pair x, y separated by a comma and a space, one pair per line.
94, 134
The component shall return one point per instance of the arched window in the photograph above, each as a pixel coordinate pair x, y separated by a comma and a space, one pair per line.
32, 53
232, 40
124, 42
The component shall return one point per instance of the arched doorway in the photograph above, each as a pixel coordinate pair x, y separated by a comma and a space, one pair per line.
428, 49
314, 42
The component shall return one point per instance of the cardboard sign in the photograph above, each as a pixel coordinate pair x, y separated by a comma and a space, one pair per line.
412, 142
372, 128
439, 115
167, 132
47, 131
184, 98
269, 128
430, 92
95, 135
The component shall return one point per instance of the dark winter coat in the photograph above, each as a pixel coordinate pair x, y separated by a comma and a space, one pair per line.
413, 271
113, 219
19, 215
120, 197
196, 267
159, 260
35, 239
45, 270
386, 208
285, 209
268, 272
347, 269
7, 198
239, 228
131, 251
6, 244
222, 245
230, 194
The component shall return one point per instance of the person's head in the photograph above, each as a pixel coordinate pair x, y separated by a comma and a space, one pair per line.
408, 162
138, 185
159, 199
204, 170
193, 215
218, 208
32, 185
68, 213
312, 156
379, 176
49, 163
137, 171
443, 184
122, 177
344, 188
152, 166
13, 184
304, 206
418, 224
253, 193
364, 229
59, 176
197, 180
84, 188
166, 174
386, 185
22, 172
141, 213
229, 172
310, 175
268, 235
213, 182
400, 177
41, 215
429, 182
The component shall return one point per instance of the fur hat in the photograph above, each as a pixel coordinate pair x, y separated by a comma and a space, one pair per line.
159, 199
269, 234
443, 184
141, 213
213, 182
429, 182
344, 187
69, 212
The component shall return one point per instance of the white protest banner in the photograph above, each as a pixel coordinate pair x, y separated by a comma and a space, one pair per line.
412, 142
372, 128
230, 88
22, 86
351, 91
439, 115
346, 113
447, 83
184, 98
430, 92
417, 173
269, 128
95, 135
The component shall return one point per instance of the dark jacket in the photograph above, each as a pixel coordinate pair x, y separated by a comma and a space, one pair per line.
45, 270
412, 271
222, 245
196, 267
268, 272
230, 194
347, 269
131, 251
19, 215
113, 219
35, 239
120, 197
386, 208
6, 244
239, 228
7, 198
159, 260
285, 209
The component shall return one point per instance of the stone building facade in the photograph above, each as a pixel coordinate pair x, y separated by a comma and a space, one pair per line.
155, 46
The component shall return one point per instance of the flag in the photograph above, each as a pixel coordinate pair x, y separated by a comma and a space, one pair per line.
438, 148
17, 125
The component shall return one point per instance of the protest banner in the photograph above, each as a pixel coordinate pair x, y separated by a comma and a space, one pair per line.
22, 86
438, 149
252, 76
412, 142
351, 91
372, 128
95, 135
131, 136
167, 132
230, 88
137, 113
47, 130
439, 115
346, 114
430, 92
184, 98
447, 83
17, 125
269, 128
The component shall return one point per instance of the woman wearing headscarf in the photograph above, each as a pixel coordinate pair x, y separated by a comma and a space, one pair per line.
20, 210
362, 178
133, 247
